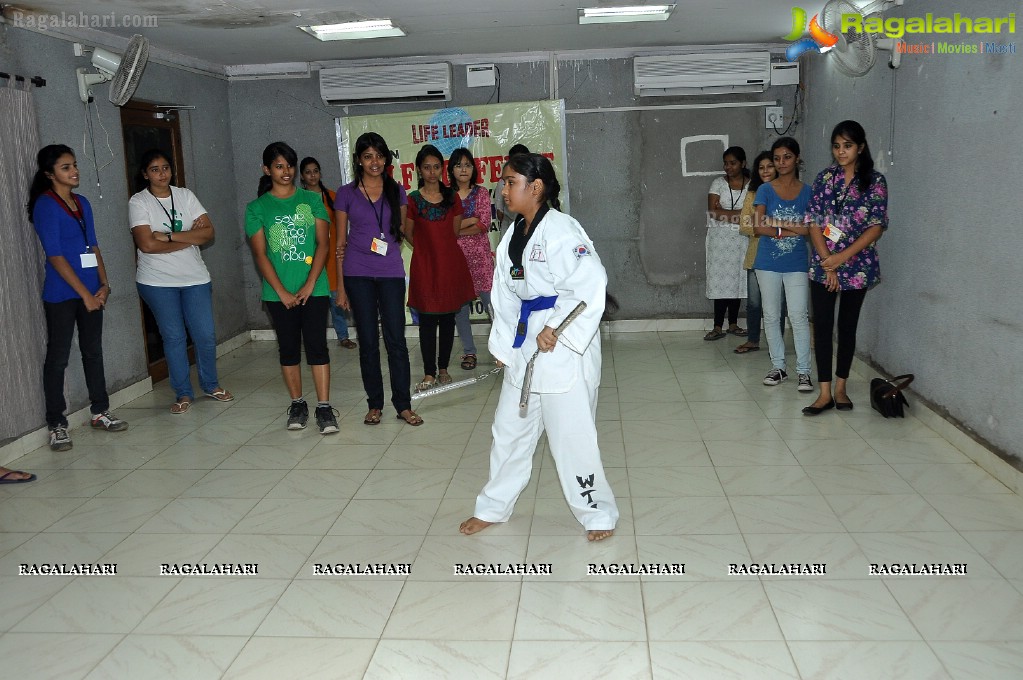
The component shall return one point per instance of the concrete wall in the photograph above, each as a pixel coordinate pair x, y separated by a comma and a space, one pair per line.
209, 170
947, 309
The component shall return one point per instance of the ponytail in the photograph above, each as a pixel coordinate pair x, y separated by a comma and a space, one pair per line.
534, 166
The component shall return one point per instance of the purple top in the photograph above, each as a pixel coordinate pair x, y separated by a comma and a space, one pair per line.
365, 222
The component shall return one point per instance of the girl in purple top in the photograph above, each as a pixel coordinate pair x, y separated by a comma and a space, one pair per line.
368, 215
847, 214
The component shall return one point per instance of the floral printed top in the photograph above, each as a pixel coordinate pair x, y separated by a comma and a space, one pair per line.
851, 211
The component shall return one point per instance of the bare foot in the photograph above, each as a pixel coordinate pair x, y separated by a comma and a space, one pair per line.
599, 534
473, 525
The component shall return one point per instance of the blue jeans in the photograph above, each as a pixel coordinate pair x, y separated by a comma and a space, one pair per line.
794, 287
337, 317
755, 309
384, 298
464, 324
178, 308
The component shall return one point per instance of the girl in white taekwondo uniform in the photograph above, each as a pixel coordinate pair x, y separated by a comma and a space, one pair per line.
546, 265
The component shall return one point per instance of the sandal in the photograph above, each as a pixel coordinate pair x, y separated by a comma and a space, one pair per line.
468, 362
746, 348
714, 335
738, 332
424, 384
220, 394
347, 344
373, 417
412, 418
444, 378
181, 406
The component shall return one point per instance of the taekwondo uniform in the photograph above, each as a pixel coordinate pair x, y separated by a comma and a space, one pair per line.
557, 260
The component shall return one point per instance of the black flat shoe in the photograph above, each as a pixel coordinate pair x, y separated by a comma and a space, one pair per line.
817, 410
844, 405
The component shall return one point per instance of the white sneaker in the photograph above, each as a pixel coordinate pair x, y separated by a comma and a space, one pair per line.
60, 440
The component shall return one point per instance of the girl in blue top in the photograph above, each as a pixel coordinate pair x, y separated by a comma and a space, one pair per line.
781, 262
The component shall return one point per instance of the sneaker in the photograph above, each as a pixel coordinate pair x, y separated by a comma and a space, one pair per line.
60, 440
776, 377
298, 415
108, 421
326, 420
805, 385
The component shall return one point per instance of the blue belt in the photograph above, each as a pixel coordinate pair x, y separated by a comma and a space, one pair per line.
528, 307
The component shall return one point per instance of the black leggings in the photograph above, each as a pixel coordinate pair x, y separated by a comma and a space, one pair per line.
722, 305
428, 324
301, 325
823, 303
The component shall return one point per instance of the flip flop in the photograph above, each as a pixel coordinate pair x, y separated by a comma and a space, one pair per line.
220, 394
347, 343
4, 478
181, 406
468, 362
738, 332
444, 379
424, 385
714, 335
746, 348
373, 417
412, 419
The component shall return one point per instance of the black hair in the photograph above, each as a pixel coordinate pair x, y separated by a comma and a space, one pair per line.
145, 161
456, 157
306, 162
517, 149
739, 154
787, 143
855, 133
271, 153
446, 192
755, 181
533, 167
46, 159
372, 140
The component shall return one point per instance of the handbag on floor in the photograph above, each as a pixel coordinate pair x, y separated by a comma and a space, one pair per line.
886, 396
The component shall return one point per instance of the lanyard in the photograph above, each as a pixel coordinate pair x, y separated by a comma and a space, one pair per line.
77, 215
170, 219
380, 215
731, 197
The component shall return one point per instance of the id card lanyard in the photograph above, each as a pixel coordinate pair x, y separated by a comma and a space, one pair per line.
832, 232
379, 245
175, 224
77, 215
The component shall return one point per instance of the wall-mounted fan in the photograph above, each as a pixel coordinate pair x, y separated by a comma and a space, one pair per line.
124, 71
855, 53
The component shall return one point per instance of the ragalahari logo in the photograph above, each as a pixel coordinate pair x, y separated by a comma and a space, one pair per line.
818, 40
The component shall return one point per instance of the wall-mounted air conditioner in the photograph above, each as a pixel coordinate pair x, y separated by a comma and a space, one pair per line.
386, 84
706, 73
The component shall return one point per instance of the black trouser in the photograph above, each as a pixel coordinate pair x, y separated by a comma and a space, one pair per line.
383, 297
730, 305
823, 302
302, 324
428, 324
61, 319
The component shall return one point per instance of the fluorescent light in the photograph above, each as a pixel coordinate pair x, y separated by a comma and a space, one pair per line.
355, 30
609, 15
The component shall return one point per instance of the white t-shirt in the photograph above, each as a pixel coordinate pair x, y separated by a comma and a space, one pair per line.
182, 267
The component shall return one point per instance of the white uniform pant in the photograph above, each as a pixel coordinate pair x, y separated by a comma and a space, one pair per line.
572, 435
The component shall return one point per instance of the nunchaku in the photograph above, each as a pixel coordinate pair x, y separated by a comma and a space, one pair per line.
455, 385
527, 379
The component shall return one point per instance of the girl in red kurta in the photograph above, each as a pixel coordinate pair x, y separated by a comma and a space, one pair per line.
439, 280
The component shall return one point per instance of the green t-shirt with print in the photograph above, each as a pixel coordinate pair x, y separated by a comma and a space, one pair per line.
289, 226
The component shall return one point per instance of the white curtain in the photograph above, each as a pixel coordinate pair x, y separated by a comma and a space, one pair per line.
22, 324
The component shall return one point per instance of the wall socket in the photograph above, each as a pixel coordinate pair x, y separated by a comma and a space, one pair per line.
774, 117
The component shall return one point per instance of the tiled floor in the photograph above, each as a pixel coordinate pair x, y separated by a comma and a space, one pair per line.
709, 466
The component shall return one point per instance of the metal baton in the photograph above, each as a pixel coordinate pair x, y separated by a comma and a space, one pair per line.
527, 379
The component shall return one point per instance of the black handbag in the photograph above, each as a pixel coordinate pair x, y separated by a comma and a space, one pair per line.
886, 396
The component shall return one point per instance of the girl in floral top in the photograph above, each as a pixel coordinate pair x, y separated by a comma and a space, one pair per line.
846, 216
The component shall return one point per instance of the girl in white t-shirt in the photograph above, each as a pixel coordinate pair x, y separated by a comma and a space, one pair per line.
168, 225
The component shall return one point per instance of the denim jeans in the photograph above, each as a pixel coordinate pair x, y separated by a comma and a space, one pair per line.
464, 324
755, 309
384, 298
337, 317
61, 319
794, 288
175, 309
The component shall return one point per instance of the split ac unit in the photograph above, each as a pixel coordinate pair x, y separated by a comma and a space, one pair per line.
708, 73
386, 84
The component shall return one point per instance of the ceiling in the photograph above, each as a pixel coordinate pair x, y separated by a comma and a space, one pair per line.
218, 33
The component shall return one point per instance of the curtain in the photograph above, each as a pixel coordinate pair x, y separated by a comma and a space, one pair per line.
22, 324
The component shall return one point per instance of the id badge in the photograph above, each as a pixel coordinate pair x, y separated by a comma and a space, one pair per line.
379, 246
833, 233
89, 260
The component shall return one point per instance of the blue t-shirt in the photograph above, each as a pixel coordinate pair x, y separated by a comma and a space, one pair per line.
787, 254
62, 234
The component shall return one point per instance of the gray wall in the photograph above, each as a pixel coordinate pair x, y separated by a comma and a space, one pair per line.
209, 170
947, 309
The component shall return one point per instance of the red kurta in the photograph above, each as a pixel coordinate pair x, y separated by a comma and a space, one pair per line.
439, 280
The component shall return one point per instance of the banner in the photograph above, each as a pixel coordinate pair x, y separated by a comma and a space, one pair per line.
488, 131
